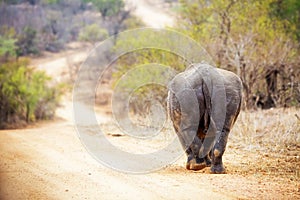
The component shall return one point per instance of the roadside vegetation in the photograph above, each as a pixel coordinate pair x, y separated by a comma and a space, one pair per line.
30, 28
25, 95
257, 40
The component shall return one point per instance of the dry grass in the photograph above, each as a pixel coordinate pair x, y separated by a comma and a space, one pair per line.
276, 130
266, 143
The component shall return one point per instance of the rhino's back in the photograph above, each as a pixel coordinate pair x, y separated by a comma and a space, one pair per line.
232, 83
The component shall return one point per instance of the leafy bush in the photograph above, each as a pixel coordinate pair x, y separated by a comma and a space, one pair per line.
139, 66
27, 42
7, 47
132, 22
93, 33
25, 94
7, 43
107, 8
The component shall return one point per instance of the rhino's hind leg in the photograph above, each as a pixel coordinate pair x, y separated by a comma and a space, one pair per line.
217, 153
217, 165
193, 160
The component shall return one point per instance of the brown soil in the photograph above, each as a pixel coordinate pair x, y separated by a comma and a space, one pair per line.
47, 161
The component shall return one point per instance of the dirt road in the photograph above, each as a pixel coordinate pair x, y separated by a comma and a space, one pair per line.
48, 161
153, 13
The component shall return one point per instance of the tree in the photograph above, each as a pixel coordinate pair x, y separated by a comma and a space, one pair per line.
108, 8
289, 11
244, 37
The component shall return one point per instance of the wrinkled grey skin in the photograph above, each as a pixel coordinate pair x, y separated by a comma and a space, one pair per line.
204, 103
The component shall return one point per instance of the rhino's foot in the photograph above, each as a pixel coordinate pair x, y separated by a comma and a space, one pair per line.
217, 169
207, 161
195, 164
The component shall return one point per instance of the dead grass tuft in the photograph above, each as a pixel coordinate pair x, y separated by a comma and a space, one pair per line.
276, 130
267, 143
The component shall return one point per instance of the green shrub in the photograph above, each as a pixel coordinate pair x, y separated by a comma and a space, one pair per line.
7, 47
93, 33
7, 43
25, 94
27, 42
108, 8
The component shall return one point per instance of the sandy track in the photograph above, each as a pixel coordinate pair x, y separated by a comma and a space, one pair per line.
153, 13
49, 162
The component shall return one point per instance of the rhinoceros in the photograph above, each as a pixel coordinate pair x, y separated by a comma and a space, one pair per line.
203, 104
